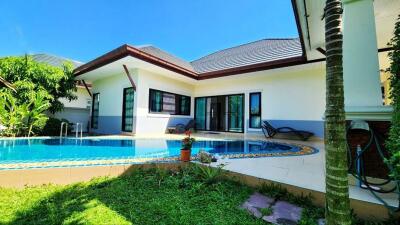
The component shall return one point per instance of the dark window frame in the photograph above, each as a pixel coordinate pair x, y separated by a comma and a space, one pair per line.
123, 108
259, 111
92, 125
178, 104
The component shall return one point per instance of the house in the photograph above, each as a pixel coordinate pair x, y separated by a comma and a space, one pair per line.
143, 89
77, 111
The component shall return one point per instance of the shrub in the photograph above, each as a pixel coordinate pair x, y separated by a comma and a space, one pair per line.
52, 127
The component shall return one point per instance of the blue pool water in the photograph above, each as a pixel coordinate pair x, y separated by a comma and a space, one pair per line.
49, 150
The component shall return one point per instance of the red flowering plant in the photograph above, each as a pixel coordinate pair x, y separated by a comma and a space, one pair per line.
188, 141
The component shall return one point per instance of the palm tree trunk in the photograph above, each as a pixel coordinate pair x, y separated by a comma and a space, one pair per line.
337, 190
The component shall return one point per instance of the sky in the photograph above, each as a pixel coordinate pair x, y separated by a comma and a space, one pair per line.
85, 29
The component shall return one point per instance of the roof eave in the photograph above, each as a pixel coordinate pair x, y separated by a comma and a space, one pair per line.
293, 61
127, 50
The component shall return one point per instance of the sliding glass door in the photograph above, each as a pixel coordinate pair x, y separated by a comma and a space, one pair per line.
235, 103
127, 109
220, 113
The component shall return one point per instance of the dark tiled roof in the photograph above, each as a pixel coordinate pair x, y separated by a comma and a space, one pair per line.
262, 51
166, 56
255, 56
54, 60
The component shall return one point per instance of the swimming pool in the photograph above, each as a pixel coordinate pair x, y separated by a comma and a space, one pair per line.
54, 152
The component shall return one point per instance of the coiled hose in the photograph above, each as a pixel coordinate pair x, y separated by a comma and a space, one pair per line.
361, 176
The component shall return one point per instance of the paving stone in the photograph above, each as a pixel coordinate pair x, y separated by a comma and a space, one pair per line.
256, 202
284, 213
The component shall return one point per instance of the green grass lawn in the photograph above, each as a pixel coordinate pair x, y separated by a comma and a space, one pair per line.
193, 195
144, 197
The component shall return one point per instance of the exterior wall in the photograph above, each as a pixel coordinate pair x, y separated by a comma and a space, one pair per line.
295, 99
154, 122
77, 111
83, 101
110, 104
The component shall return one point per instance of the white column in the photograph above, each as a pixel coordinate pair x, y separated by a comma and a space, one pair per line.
362, 86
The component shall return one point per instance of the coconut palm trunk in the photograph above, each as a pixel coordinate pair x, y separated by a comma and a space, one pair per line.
337, 190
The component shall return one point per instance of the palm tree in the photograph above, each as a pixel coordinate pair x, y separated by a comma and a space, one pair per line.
337, 190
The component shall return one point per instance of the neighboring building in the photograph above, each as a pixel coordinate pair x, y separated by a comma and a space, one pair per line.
144, 89
77, 111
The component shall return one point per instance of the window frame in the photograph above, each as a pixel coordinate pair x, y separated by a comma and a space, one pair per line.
98, 109
124, 106
178, 104
259, 111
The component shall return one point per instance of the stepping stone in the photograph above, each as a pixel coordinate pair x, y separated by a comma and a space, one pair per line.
256, 202
284, 213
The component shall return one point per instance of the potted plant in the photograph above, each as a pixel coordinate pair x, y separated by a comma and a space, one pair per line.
186, 149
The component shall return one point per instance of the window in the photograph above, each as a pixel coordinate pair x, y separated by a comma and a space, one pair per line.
127, 109
95, 111
255, 110
168, 103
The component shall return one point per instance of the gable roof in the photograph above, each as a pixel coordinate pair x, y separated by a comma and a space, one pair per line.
255, 56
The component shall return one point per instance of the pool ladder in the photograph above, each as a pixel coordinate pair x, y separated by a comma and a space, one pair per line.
78, 125
66, 129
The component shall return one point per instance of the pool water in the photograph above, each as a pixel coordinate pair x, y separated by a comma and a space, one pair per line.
70, 149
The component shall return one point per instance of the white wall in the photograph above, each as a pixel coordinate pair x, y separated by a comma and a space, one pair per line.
152, 122
110, 104
296, 94
292, 95
81, 102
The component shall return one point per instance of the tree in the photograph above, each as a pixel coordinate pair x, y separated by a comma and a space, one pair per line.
57, 82
337, 190
393, 142
22, 119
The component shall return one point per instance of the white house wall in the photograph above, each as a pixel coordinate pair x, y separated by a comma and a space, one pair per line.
155, 122
76, 111
295, 98
110, 104
291, 97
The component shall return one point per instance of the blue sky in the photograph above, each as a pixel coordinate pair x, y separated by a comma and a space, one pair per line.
83, 30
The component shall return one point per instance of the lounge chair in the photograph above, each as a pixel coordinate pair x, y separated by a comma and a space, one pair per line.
181, 128
270, 131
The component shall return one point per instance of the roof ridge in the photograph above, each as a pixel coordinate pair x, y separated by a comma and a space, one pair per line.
264, 39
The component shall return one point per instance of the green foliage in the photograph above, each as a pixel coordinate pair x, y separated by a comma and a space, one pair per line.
56, 82
52, 127
393, 142
207, 174
23, 118
266, 211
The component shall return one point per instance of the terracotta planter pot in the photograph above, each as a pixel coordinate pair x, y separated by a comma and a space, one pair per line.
185, 155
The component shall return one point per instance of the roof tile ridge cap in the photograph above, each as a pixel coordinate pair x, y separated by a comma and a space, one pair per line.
264, 39
131, 48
